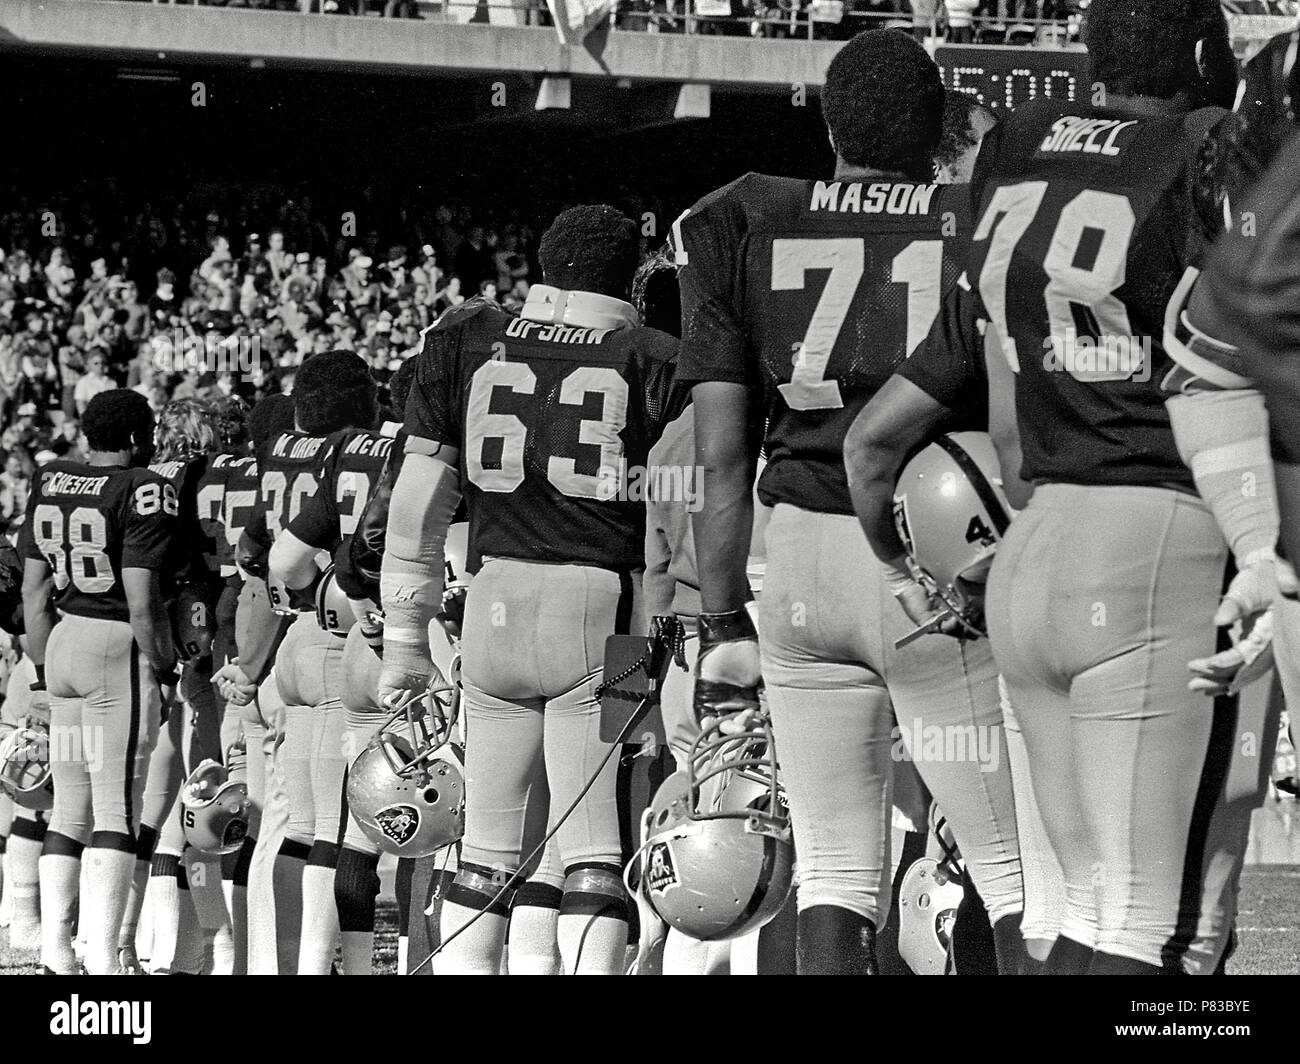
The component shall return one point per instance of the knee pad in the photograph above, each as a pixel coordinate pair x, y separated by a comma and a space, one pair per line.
323, 854
356, 886
300, 851
59, 845
594, 890
538, 895
146, 841
234, 866
478, 887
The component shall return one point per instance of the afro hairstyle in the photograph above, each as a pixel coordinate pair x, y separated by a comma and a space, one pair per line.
269, 418
334, 390
655, 292
1231, 157
1148, 48
959, 110
118, 420
883, 104
592, 248
232, 420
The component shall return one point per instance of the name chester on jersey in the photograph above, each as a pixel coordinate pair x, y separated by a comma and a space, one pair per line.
881, 197
72, 484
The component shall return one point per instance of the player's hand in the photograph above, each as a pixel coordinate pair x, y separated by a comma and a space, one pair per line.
728, 674
1249, 658
38, 707
398, 685
1251, 593
1288, 585
233, 685
452, 616
921, 607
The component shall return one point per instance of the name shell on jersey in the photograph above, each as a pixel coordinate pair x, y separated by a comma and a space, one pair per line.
1086, 226
349, 476
551, 421
91, 522
816, 291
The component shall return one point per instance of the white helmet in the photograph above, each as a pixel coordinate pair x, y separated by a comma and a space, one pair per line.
951, 515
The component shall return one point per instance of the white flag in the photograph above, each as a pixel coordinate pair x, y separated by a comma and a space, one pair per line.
574, 19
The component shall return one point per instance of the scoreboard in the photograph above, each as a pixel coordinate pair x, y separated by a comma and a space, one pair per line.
1002, 78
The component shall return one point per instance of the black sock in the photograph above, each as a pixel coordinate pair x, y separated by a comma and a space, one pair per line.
835, 941
974, 949
1110, 964
1068, 958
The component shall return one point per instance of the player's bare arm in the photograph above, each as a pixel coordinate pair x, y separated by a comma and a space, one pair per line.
38, 611
424, 501
293, 562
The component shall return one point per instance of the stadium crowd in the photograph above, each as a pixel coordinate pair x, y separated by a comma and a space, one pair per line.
175, 304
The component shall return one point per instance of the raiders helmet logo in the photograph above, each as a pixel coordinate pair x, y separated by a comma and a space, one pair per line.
399, 822
234, 833
661, 874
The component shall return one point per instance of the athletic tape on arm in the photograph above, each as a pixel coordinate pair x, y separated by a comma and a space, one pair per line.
423, 504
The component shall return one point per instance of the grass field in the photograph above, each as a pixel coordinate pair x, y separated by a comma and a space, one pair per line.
1268, 928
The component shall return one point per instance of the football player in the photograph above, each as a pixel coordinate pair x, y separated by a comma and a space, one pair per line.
96, 542
799, 298
187, 438
332, 391
1103, 587
536, 419
349, 476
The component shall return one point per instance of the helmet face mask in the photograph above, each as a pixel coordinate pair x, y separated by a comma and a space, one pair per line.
717, 860
25, 766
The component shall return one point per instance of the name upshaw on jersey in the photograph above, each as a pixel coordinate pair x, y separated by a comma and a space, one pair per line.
549, 419
816, 291
1085, 227
91, 522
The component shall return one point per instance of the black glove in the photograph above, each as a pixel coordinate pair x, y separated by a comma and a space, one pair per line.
727, 671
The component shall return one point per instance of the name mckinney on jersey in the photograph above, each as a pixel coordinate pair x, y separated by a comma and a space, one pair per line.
370, 446
1074, 133
880, 197
72, 484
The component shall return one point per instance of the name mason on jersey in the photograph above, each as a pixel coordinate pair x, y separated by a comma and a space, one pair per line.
1091, 136
880, 197
71, 484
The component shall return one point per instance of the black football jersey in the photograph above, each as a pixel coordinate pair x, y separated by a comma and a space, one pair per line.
91, 522
238, 508
349, 476
213, 485
554, 424
815, 292
193, 558
288, 475
1085, 227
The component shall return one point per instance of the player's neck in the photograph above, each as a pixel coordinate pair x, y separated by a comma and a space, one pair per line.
109, 458
848, 172
1154, 106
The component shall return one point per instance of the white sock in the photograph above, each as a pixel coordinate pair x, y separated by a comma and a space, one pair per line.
223, 952
60, 880
237, 906
108, 881
403, 953
592, 945
22, 885
476, 951
320, 921
534, 949
191, 939
134, 904
165, 908
288, 910
359, 952
6, 902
